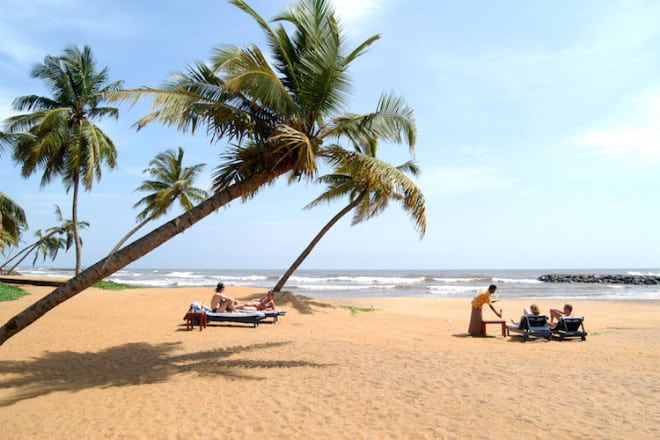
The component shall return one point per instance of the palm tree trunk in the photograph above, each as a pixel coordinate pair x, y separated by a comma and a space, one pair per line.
130, 233
132, 252
74, 219
315, 241
27, 251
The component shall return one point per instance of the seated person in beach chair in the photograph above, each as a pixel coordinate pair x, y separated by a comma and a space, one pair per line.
531, 323
555, 314
265, 303
570, 327
222, 303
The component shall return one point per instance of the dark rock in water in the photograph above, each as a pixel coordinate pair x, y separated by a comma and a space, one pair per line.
600, 279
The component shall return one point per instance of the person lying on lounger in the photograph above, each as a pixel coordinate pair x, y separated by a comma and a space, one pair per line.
556, 314
265, 303
222, 303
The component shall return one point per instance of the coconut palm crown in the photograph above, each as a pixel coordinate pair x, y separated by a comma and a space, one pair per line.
12, 222
59, 136
278, 116
170, 181
370, 184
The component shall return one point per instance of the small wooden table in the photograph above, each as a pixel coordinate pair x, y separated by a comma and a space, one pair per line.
190, 320
495, 321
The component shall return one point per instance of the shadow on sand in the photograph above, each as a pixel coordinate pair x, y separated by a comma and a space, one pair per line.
130, 364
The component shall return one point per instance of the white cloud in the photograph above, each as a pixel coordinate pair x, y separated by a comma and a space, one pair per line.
26, 45
635, 137
476, 153
356, 10
446, 181
612, 144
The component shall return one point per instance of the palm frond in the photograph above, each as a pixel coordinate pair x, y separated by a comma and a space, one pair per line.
392, 121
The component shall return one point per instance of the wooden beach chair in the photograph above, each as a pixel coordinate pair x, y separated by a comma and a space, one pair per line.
531, 326
570, 327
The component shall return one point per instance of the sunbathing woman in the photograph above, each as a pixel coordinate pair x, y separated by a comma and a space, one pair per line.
265, 303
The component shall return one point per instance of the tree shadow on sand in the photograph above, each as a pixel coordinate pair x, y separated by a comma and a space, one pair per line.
304, 305
130, 364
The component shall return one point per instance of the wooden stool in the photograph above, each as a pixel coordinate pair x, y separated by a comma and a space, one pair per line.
190, 320
497, 321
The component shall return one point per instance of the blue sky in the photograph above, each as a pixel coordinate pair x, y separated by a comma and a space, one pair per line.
538, 132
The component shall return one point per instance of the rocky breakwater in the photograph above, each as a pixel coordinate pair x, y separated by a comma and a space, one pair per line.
600, 279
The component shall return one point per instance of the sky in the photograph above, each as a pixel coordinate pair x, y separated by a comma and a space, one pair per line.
538, 132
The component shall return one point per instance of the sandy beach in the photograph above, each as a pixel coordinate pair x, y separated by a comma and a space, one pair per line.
121, 365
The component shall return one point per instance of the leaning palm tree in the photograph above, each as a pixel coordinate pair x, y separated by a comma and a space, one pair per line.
12, 222
171, 181
59, 136
279, 120
370, 185
48, 243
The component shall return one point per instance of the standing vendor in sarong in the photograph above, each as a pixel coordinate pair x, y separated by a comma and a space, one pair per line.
484, 297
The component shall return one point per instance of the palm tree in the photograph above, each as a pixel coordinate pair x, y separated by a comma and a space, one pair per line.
12, 222
58, 136
171, 182
50, 242
370, 185
279, 119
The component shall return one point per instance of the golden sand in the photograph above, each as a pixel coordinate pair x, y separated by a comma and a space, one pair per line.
121, 365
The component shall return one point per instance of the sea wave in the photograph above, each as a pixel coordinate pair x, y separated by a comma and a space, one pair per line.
517, 280
328, 287
450, 290
378, 280
644, 274
456, 280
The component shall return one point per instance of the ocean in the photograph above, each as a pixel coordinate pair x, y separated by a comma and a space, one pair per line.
392, 283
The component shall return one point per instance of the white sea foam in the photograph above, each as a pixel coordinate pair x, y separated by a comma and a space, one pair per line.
450, 290
517, 280
328, 287
242, 278
644, 274
357, 280
183, 275
456, 280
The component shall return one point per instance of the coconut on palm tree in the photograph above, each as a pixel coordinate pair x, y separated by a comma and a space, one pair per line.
370, 184
279, 120
59, 136
170, 181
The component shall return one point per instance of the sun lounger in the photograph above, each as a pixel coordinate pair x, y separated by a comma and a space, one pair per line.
274, 314
535, 326
239, 316
570, 327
